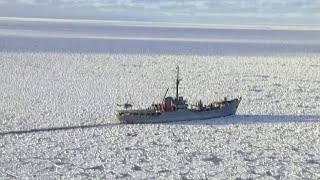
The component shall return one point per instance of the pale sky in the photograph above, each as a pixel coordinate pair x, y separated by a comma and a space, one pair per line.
305, 12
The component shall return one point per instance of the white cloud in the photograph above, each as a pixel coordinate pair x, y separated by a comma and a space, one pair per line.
178, 8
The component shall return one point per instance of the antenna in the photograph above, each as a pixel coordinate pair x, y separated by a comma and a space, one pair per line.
177, 84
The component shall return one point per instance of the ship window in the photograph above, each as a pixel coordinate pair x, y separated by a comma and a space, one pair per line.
153, 114
135, 114
158, 113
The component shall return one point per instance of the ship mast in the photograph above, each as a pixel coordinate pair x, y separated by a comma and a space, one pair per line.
177, 84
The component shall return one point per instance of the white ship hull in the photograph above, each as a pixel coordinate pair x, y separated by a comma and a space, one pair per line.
144, 116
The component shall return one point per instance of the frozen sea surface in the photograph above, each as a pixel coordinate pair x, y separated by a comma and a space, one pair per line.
58, 95
57, 117
259, 151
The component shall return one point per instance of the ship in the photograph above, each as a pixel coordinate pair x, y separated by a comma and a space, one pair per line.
176, 109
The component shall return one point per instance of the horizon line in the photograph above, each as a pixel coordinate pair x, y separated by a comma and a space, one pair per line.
166, 24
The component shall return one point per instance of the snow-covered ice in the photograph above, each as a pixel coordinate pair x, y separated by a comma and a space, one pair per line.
58, 96
270, 151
